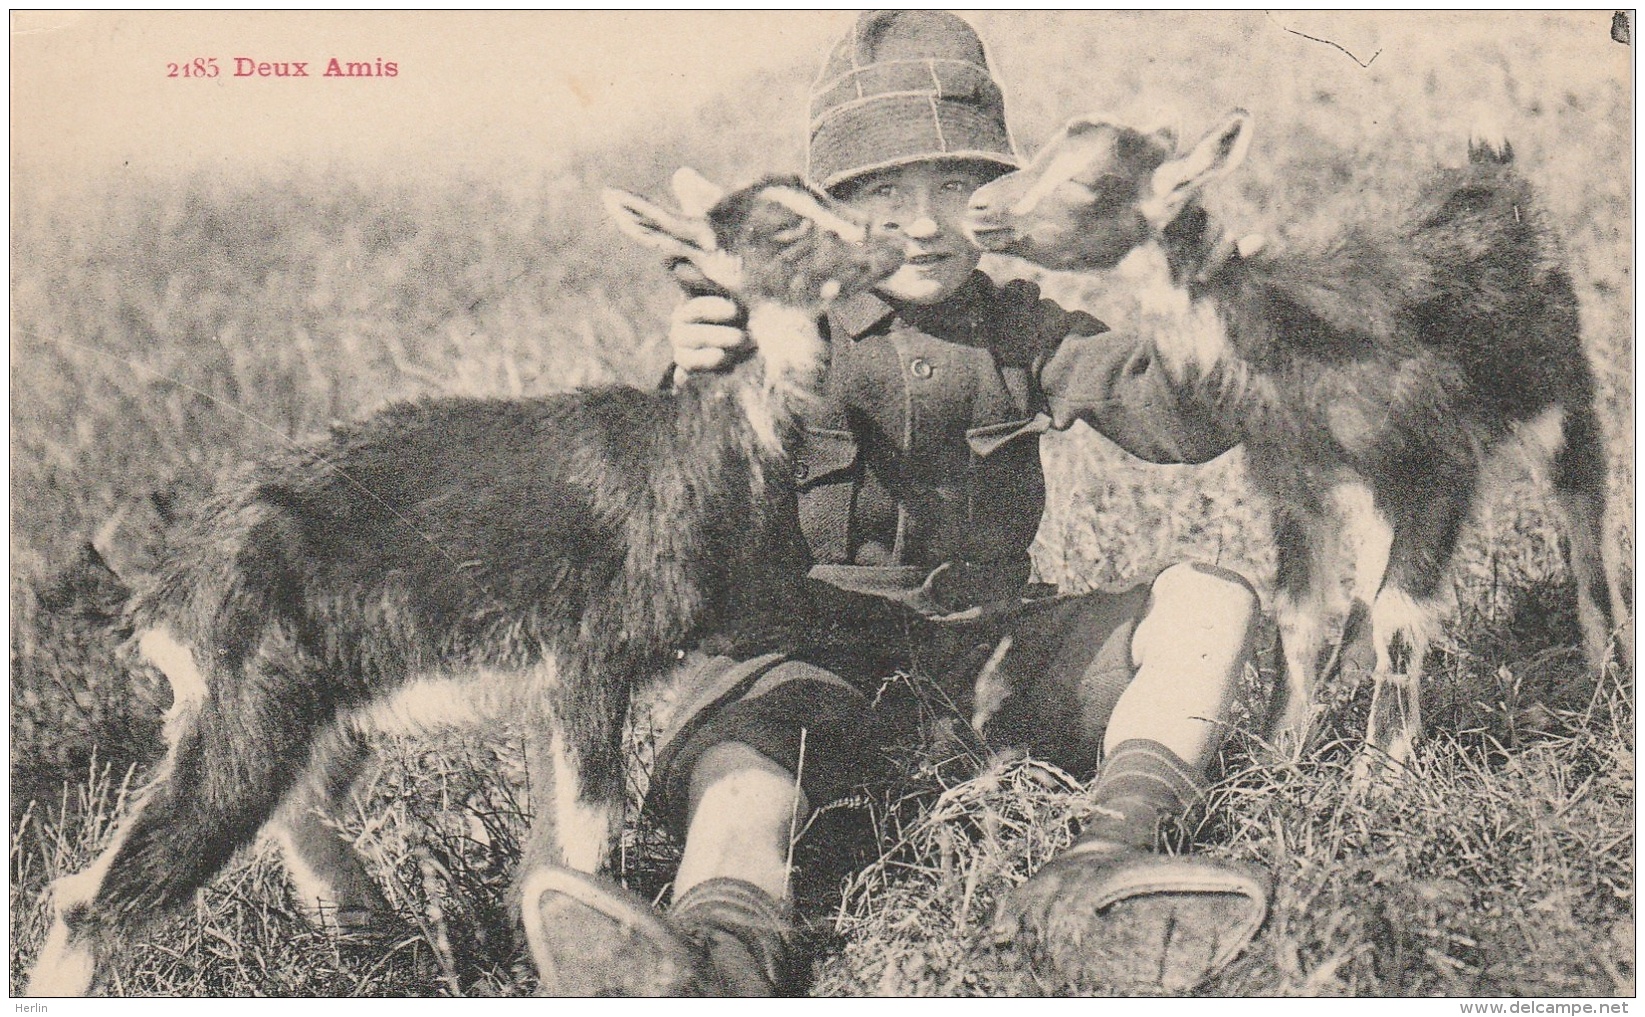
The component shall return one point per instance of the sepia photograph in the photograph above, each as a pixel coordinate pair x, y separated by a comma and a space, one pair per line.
823, 503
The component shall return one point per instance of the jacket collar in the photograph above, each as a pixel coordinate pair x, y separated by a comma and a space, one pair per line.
858, 315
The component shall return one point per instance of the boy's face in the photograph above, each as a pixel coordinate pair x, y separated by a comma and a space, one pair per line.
924, 203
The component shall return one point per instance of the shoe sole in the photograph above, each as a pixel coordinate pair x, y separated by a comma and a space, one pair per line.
591, 937
1142, 922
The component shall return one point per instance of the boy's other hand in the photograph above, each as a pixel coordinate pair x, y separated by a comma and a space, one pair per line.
707, 334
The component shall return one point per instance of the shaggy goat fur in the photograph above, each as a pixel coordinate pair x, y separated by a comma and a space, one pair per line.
1370, 378
533, 558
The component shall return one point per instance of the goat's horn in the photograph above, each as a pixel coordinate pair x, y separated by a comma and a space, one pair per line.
696, 193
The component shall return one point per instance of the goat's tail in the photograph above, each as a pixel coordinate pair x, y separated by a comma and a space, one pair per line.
1488, 146
1482, 240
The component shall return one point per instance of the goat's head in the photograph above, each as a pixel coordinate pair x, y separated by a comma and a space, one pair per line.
774, 242
1099, 190
782, 250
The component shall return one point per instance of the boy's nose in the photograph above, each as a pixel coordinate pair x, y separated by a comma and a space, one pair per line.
922, 227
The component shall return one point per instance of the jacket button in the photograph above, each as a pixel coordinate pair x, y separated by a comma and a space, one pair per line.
801, 471
919, 367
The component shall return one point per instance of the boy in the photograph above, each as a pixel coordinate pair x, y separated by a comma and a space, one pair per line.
920, 492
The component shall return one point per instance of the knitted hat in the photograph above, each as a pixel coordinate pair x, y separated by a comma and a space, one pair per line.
902, 87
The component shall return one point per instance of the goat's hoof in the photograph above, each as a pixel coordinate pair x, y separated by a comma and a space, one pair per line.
1368, 765
360, 915
1287, 748
1372, 763
67, 965
1289, 743
363, 926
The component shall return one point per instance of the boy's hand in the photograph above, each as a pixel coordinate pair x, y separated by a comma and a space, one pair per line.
707, 334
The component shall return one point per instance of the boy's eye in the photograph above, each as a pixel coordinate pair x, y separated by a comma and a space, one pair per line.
957, 187
884, 192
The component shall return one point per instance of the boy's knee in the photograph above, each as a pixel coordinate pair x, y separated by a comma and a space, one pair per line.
790, 718
1198, 590
731, 762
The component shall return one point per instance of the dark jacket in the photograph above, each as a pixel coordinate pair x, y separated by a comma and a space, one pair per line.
921, 477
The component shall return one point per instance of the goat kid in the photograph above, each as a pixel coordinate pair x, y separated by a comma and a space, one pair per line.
459, 560
1369, 380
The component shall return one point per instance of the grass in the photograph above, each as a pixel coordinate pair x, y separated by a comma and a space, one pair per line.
1454, 877
1500, 863
165, 328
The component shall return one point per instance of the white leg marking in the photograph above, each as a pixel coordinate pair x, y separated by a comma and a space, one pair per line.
1396, 613
67, 965
1396, 719
430, 704
1585, 528
585, 830
1540, 439
1367, 533
992, 688
1542, 436
1396, 702
327, 877
469, 700
316, 894
1306, 621
1302, 633
1610, 554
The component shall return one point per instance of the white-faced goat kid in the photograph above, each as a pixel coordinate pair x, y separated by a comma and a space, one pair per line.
1369, 379
536, 559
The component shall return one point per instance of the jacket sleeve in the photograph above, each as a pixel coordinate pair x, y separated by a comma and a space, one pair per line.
1115, 382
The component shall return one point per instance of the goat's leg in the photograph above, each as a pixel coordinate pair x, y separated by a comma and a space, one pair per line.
1406, 614
1371, 536
1579, 477
1366, 534
234, 752
576, 803
588, 936
574, 759
330, 882
1301, 606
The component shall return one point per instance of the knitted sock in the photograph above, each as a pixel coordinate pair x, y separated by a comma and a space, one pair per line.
746, 935
1142, 784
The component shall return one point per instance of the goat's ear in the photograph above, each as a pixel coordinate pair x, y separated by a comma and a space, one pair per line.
1164, 135
1077, 127
1089, 122
1177, 181
675, 235
696, 193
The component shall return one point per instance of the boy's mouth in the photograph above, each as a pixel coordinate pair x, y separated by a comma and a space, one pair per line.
928, 259
992, 238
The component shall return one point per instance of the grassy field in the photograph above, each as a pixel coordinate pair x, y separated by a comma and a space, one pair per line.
165, 328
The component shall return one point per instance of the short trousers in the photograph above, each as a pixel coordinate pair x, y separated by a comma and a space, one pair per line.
1059, 665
